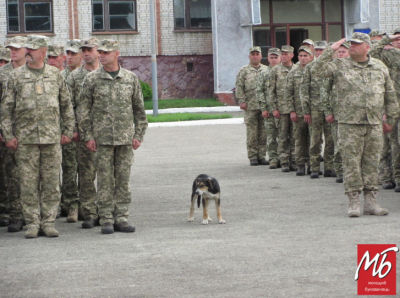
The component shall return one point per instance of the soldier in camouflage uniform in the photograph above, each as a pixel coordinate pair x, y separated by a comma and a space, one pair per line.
10, 200
310, 95
36, 97
68, 184
365, 92
111, 96
376, 35
271, 123
293, 105
277, 103
250, 90
330, 108
4, 56
391, 58
85, 158
73, 57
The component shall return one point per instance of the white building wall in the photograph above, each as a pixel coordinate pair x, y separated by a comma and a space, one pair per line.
389, 15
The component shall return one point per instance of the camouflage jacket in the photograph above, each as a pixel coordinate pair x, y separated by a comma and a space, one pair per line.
364, 93
35, 105
329, 97
391, 58
292, 102
5, 73
74, 82
264, 100
277, 85
65, 73
107, 105
310, 91
250, 86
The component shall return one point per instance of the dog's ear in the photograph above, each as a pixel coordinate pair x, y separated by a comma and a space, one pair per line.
211, 182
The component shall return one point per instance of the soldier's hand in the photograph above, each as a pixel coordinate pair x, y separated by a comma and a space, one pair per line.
388, 47
243, 106
307, 118
337, 44
387, 128
12, 144
330, 119
1, 139
384, 118
293, 116
65, 140
91, 145
265, 114
276, 114
135, 144
75, 137
394, 37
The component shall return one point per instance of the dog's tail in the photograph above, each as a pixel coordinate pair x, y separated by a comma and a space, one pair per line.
198, 201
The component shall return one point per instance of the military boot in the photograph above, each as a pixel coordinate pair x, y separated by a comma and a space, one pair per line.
354, 204
301, 170
371, 207
285, 168
4, 220
330, 173
50, 232
387, 185
253, 162
397, 188
339, 179
273, 165
72, 215
16, 225
314, 174
263, 162
32, 232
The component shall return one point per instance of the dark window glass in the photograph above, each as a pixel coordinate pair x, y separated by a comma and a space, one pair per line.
37, 17
98, 15
114, 15
192, 14
13, 16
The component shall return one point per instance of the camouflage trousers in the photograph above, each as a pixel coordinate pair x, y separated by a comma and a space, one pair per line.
272, 131
39, 167
255, 133
69, 188
10, 200
395, 151
302, 141
337, 158
87, 175
360, 146
113, 166
320, 127
286, 140
385, 161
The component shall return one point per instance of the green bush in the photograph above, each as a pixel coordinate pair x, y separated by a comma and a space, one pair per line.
147, 92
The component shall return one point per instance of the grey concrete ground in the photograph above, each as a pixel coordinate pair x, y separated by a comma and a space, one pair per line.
285, 236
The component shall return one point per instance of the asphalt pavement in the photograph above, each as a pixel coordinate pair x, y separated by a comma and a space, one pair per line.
285, 236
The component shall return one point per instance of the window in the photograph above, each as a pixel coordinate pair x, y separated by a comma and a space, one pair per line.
114, 15
29, 16
192, 14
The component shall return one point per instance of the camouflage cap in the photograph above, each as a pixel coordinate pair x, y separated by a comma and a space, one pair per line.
287, 48
5, 54
255, 49
89, 43
55, 50
35, 42
308, 41
73, 45
274, 51
359, 37
108, 45
16, 42
320, 45
346, 44
373, 33
396, 31
305, 49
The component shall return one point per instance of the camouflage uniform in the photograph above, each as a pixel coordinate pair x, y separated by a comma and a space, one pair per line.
250, 89
34, 105
391, 58
105, 115
364, 92
310, 95
293, 104
276, 101
10, 191
84, 157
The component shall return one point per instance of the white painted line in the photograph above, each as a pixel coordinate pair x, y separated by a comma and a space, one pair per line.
197, 110
198, 122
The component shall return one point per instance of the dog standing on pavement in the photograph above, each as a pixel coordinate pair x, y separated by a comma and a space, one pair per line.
206, 188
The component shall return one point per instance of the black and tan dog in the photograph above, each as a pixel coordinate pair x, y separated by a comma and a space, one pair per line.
206, 188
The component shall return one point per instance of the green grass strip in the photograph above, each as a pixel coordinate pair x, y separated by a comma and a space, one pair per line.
183, 103
185, 117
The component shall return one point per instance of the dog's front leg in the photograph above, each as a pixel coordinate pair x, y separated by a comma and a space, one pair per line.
218, 206
206, 217
191, 215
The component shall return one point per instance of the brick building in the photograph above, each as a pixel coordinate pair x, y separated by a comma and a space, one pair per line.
201, 44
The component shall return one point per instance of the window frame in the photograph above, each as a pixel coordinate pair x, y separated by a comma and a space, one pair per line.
22, 22
106, 15
187, 26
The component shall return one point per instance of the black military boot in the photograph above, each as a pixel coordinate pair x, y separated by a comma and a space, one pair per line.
301, 170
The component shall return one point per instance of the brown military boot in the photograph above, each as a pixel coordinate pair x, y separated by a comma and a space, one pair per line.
72, 215
50, 232
32, 232
273, 165
354, 204
371, 207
